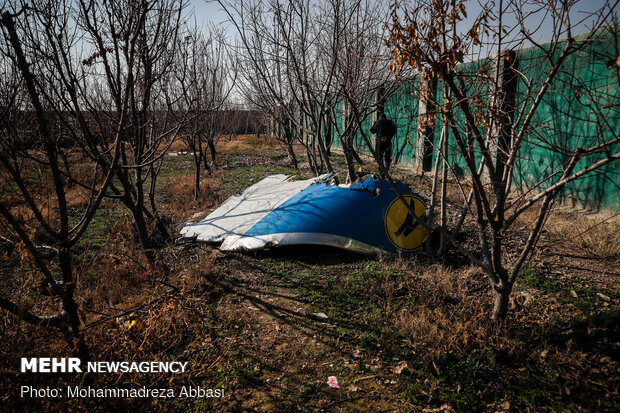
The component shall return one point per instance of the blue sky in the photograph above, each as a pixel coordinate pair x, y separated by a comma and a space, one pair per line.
208, 12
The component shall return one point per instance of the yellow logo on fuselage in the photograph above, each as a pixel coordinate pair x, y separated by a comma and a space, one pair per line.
401, 227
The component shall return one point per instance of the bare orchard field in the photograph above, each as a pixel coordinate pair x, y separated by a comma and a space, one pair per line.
399, 333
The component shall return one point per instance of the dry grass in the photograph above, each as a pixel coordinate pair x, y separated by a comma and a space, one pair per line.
191, 277
232, 143
178, 145
247, 142
593, 234
117, 276
77, 197
182, 201
134, 311
447, 317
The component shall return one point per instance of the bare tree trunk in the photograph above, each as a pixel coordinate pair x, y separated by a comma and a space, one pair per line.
136, 208
356, 156
202, 157
347, 149
211, 144
291, 153
70, 306
444, 188
430, 214
501, 303
65, 162
143, 233
196, 176
312, 162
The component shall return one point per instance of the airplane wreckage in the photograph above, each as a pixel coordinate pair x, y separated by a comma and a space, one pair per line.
367, 217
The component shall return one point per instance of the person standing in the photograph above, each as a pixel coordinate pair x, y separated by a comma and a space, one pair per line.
385, 129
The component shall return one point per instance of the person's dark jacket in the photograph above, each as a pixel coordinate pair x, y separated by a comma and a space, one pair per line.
384, 128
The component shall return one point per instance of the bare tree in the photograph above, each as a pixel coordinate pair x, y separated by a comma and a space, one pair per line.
286, 70
23, 149
305, 62
135, 44
362, 66
206, 74
87, 88
491, 132
104, 70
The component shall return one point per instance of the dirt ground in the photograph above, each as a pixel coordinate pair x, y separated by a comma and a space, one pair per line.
400, 333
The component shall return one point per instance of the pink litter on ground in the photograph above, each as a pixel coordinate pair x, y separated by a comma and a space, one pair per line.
333, 382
